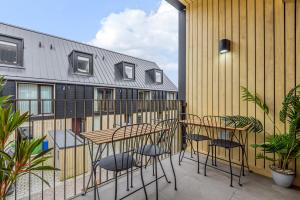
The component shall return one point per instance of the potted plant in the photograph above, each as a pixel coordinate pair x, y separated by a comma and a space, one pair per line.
284, 145
21, 159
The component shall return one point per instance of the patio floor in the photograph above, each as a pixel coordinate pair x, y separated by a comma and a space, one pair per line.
193, 186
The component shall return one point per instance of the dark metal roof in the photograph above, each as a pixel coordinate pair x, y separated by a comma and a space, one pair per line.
44, 64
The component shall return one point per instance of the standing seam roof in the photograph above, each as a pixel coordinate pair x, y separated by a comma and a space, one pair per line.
46, 65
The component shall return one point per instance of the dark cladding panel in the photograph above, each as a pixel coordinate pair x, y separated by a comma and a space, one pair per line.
71, 97
135, 102
118, 93
79, 95
9, 89
59, 100
89, 96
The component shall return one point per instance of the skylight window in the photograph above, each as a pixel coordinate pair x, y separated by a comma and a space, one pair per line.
11, 51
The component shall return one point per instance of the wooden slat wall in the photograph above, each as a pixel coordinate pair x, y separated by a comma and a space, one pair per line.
264, 57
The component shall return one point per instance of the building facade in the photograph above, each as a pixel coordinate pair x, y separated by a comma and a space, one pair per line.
52, 77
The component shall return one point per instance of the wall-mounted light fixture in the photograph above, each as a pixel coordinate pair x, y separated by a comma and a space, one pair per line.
224, 46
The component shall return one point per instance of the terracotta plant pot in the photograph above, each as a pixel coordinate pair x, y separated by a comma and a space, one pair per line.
283, 178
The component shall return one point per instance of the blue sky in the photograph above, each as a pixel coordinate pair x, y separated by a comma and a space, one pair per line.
96, 21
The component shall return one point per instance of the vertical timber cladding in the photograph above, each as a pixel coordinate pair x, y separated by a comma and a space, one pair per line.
264, 57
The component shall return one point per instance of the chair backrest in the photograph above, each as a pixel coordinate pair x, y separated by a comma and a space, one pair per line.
218, 127
128, 138
192, 123
163, 134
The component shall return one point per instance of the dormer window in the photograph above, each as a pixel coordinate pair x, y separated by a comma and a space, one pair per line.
82, 63
156, 75
11, 51
127, 70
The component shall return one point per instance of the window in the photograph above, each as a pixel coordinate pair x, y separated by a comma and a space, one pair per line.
128, 119
144, 95
104, 99
171, 96
82, 63
11, 50
128, 71
125, 71
144, 99
158, 76
34, 98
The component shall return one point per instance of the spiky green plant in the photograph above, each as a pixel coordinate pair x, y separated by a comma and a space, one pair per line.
21, 162
286, 146
22, 159
252, 124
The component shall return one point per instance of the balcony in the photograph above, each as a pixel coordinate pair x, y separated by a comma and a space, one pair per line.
191, 186
63, 126
70, 154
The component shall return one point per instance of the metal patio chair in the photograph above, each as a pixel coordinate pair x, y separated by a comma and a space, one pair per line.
124, 158
223, 136
194, 133
158, 144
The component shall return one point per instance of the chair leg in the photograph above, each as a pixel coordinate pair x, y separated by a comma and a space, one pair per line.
192, 148
163, 170
116, 185
215, 155
241, 171
127, 174
230, 166
173, 171
180, 159
207, 159
198, 158
131, 179
147, 162
153, 167
95, 182
212, 158
243, 160
142, 178
156, 178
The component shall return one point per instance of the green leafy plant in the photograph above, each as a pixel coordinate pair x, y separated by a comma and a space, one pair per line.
21, 159
254, 125
285, 145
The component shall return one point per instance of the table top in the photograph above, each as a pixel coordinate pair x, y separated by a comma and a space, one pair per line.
200, 123
106, 136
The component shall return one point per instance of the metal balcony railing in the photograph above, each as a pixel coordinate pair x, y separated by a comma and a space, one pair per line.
62, 121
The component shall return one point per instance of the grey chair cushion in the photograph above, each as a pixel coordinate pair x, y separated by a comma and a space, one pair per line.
225, 143
196, 137
150, 150
124, 161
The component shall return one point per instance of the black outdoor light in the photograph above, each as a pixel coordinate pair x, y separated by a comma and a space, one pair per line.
224, 46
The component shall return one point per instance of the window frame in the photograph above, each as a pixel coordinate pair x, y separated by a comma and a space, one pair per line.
74, 62
20, 49
105, 107
39, 104
128, 64
162, 76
